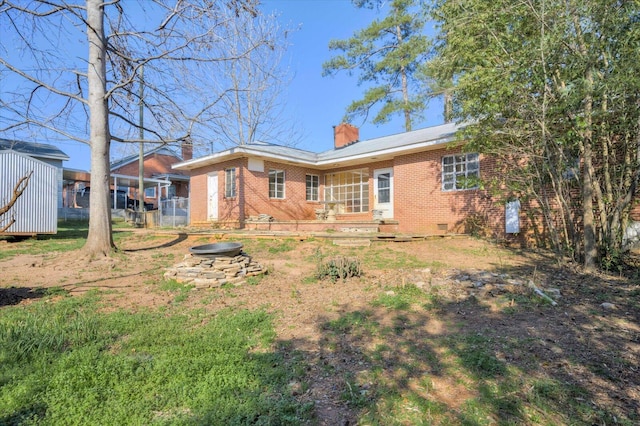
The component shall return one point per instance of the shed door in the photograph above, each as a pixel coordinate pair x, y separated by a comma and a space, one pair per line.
383, 192
212, 196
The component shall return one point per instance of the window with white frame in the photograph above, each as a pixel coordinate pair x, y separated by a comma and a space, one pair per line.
150, 192
460, 171
313, 183
230, 183
276, 184
349, 189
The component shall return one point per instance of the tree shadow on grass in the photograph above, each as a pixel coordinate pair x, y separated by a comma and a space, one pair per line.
475, 361
14, 295
179, 238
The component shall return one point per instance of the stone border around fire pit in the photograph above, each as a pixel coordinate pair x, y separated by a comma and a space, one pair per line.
205, 272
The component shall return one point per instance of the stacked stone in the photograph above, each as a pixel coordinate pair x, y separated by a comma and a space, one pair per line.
206, 272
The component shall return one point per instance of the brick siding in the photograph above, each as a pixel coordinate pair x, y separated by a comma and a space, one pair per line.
154, 164
420, 205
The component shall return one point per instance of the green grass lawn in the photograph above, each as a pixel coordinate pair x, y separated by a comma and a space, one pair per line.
65, 362
71, 236
413, 360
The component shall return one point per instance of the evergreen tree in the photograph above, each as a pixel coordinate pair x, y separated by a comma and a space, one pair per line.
386, 54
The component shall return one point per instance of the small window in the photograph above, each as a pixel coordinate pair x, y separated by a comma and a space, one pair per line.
171, 191
460, 171
150, 192
230, 183
313, 182
276, 184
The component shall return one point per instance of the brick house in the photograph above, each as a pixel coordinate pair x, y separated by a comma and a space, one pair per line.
160, 181
414, 182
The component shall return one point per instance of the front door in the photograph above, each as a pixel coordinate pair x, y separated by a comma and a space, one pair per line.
383, 192
212, 196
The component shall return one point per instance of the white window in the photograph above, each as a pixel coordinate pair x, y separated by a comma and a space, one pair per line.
313, 182
276, 184
460, 171
150, 192
349, 189
230, 183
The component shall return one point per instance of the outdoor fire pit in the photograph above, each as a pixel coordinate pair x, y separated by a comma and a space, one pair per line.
212, 265
217, 249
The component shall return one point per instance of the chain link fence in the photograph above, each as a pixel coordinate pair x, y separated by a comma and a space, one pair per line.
172, 213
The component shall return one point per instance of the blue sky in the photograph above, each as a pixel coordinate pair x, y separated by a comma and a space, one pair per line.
315, 103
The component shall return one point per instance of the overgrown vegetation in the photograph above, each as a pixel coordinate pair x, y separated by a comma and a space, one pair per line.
66, 363
561, 144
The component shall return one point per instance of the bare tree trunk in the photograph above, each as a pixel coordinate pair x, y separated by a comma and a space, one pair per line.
99, 240
588, 217
589, 236
448, 106
405, 87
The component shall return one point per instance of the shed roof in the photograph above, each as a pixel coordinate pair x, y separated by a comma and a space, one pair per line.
32, 149
361, 152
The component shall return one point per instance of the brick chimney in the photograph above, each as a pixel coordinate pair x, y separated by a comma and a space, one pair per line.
345, 134
187, 151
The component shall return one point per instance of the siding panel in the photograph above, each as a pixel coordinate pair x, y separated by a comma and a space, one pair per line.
36, 211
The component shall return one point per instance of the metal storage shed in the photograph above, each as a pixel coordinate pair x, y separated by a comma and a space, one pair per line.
36, 210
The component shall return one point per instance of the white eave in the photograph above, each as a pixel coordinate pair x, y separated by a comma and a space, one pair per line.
379, 149
383, 154
243, 152
133, 181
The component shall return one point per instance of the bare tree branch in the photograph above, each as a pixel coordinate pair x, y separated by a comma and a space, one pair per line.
18, 189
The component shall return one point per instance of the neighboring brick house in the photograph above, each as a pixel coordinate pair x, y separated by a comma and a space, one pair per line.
161, 182
414, 182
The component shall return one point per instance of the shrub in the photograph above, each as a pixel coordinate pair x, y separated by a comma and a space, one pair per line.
339, 268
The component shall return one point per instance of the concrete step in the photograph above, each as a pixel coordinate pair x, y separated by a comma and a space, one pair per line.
345, 242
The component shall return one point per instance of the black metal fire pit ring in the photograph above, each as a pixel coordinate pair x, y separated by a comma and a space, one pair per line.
228, 249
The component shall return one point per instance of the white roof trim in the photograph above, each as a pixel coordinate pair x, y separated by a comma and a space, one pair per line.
387, 152
133, 181
328, 158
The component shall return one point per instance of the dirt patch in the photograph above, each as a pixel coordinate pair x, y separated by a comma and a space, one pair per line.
478, 289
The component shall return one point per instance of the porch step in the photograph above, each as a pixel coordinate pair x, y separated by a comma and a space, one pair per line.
357, 229
360, 242
396, 238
